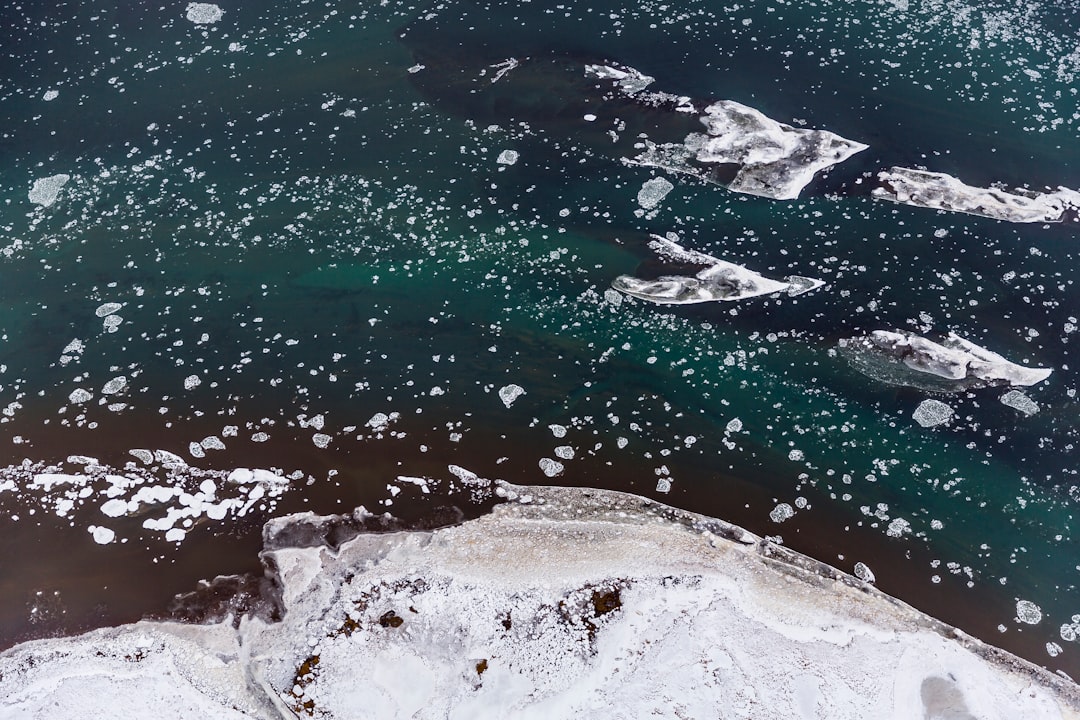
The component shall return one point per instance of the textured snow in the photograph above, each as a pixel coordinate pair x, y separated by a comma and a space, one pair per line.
203, 13
579, 604
944, 192
46, 190
719, 280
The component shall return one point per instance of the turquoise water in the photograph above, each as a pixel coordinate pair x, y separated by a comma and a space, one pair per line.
301, 234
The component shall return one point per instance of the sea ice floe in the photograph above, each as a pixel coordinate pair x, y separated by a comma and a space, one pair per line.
107, 309
1019, 401
50, 95
782, 512
931, 413
507, 157
1028, 612
903, 358
509, 393
80, 396
864, 573
114, 386
653, 192
629, 80
944, 192
551, 468
203, 13
719, 280
46, 190
773, 160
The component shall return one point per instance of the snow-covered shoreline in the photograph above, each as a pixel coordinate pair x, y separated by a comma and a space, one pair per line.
564, 602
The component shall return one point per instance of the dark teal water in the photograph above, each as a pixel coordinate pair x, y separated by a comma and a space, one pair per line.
286, 213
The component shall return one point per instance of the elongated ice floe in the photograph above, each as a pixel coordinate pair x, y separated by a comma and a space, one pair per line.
574, 604
47, 189
771, 159
718, 280
903, 358
945, 192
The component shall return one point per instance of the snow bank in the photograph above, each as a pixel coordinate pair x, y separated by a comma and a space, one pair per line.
579, 603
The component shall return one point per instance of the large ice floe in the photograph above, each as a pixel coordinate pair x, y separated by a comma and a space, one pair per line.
944, 192
563, 603
903, 358
717, 280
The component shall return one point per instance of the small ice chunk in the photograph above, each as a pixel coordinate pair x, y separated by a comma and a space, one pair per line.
932, 413
589, 117
1019, 401
663, 485
50, 95
550, 467
107, 309
898, 527
46, 190
510, 393
112, 323
558, 431
653, 192
564, 452
145, 455
468, 477
213, 442
80, 396
203, 13
1028, 612
117, 384
102, 535
1053, 649
782, 512
864, 573
507, 157
734, 425
115, 508
321, 440
192, 381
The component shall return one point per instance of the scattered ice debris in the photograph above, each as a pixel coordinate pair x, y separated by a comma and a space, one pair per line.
774, 160
1053, 649
50, 95
1019, 401
114, 386
468, 477
72, 351
719, 280
782, 512
192, 381
203, 13
653, 192
898, 527
551, 468
629, 80
1071, 631
509, 393
931, 413
507, 157
46, 190
1028, 612
903, 358
108, 309
501, 69
944, 192
864, 573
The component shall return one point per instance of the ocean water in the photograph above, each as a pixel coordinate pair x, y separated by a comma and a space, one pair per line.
288, 268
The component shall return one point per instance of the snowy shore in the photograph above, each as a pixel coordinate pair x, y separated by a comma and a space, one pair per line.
561, 603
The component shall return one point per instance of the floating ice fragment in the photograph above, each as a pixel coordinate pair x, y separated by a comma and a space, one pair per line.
468, 477
864, 573
719, 280
944, 192
203, 13
80, 396
112, 323
653, 192
145, 456
117, 384
558, 431
734, 425
564, 452
663, 485
114, 508
45, 190
1053, 649
196, 450
50, 95
107, 309
510, 393
507, 157
898, 528
212, 443
259, 437
774, 160
550, 467
903, 358
629, 80
782, 512
321, 440
192, 381
1019, 401
931, 413
102, 535
1028, 612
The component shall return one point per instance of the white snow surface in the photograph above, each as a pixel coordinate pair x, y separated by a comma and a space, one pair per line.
580, 603
719, 280
945, 192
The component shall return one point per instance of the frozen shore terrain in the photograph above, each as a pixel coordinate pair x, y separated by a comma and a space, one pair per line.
563, 602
